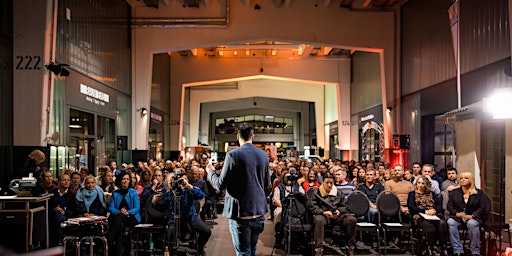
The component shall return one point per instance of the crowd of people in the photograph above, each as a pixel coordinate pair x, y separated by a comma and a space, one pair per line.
452, 198
124, 195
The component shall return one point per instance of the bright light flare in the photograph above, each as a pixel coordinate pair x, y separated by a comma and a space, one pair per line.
499, 104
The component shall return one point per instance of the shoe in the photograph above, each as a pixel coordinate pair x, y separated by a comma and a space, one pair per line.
319, 251
351, 251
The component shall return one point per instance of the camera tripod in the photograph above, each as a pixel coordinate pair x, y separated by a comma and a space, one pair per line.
295, 210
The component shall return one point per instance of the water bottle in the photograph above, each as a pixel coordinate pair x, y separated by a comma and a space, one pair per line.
151, 245
166, 251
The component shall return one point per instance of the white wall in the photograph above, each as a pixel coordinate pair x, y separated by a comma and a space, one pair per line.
32, 50
369, 31
270, 88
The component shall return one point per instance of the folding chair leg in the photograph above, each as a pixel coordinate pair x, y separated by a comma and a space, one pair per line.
385, 245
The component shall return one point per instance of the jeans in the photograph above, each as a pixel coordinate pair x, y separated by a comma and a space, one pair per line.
245, 233
474, 235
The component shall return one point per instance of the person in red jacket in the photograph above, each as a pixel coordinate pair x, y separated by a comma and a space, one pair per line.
311, 182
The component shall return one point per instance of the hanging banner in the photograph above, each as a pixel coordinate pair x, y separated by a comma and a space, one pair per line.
453, 15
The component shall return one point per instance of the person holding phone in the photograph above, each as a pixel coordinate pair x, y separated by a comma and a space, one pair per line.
327, 204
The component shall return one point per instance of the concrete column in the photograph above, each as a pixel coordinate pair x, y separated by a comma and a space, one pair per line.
142, 66
34, 26
468, 147
344, 105
508, 169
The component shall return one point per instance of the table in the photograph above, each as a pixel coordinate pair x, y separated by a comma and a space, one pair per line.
11, 213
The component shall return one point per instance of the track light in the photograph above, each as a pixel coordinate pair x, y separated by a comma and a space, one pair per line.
389, 109
143, 111
58, 69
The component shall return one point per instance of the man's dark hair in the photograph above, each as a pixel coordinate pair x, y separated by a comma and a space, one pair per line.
245, 131
452, 169
327, 175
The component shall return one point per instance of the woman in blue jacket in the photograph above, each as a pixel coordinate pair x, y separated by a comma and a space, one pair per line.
125, 212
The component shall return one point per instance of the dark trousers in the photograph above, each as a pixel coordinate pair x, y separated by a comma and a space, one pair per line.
347, 222
434, 230
198, 226
117, 224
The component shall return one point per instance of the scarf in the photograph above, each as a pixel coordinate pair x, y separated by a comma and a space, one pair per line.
88, 196
424, 201
324, 193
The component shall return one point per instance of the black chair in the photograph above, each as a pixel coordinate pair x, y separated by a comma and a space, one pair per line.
152, 229
496, 228
359, 205
390, 219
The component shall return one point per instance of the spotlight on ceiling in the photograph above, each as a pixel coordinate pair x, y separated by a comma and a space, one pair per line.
143, 111
58, 69
390, 109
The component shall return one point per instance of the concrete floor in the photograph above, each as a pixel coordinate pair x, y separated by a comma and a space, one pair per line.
220, 242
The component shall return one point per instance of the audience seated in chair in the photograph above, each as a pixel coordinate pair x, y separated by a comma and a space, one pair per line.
124, 210
187, 212
59, 207
424, 201
401, 188
372, 190
89, 200
327, 204
340, 181
468, 206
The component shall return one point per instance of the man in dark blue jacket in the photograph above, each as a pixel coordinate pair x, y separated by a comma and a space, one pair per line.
245, 176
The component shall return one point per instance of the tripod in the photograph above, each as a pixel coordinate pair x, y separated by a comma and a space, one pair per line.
295, 210
174, 232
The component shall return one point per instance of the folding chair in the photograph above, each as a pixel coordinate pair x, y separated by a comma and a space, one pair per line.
389, 217
359, 205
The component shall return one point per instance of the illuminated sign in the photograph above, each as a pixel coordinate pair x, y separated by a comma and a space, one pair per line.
94, 96
156, 117
366, 118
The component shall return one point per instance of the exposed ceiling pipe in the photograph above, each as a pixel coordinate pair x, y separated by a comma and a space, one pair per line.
183, 22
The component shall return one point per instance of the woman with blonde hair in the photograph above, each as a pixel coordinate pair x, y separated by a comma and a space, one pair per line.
467, 206
90, 200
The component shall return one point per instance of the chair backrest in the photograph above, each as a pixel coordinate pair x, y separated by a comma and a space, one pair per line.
388, 205
358, 204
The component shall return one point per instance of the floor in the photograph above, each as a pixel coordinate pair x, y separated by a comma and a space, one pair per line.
220, 243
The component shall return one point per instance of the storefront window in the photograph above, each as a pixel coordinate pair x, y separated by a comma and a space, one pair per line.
106, 140
81, 122
262, 124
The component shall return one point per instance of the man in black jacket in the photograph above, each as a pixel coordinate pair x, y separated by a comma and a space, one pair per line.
328, 206
58, 205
